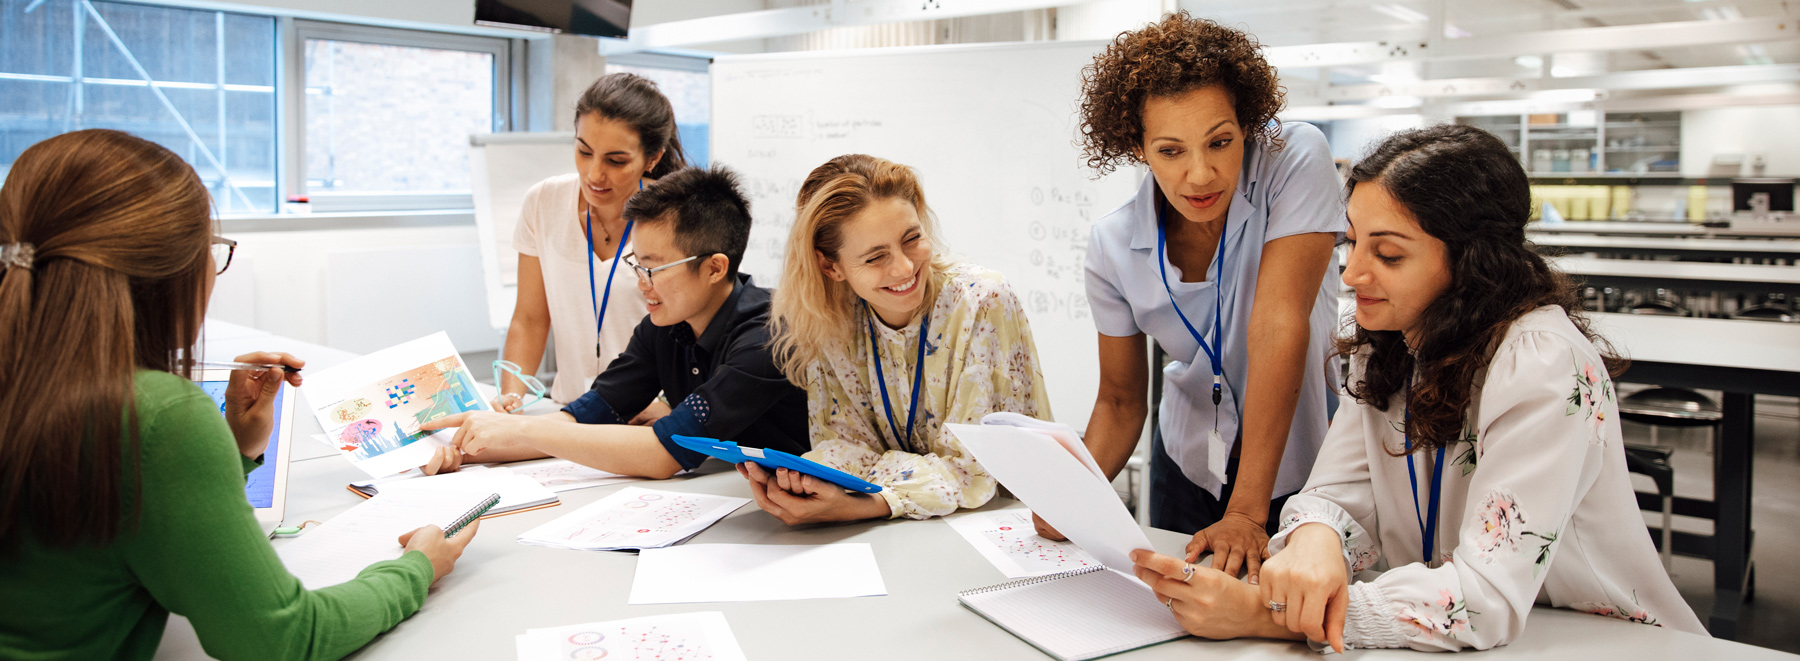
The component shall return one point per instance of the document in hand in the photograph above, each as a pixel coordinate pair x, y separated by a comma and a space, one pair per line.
371, 407
1059, 487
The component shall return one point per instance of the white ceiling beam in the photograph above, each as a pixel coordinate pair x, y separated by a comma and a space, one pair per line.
1623, 37
1649, 79
812, 18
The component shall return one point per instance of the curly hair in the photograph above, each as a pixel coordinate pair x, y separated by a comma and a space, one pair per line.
1466, 189
1174, 56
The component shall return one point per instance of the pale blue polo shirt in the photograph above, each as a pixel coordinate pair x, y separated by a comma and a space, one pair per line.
1281, 193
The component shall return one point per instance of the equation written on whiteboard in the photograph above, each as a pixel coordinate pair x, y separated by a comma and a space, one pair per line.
1043, 303
796, 127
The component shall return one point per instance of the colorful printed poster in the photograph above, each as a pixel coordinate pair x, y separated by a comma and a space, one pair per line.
372, 407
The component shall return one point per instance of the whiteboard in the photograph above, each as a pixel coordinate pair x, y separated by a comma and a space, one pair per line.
991, 130
503, 167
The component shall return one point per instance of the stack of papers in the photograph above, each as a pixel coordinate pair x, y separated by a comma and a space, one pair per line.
633, 519
755, 572
517, 492
561, 475
702, 635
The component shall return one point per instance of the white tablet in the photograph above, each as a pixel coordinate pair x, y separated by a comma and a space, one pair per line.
266, 487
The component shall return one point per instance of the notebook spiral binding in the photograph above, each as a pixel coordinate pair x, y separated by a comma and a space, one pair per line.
473, 514
1032, 581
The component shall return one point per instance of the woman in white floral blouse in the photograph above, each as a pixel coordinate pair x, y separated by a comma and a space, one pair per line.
891, 342
1478, 455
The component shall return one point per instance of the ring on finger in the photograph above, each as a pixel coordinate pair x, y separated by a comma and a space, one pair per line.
1187, 573
1170, 604
1277, 606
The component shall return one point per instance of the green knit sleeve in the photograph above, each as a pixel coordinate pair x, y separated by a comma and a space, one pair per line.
201, 553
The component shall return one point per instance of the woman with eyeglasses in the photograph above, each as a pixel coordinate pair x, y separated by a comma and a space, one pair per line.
121, 486
571, 234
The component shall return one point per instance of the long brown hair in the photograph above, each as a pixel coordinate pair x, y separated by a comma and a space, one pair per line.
1466, 189
121, 229
811, 312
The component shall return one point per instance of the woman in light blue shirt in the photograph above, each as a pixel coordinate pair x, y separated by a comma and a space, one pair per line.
1223, 257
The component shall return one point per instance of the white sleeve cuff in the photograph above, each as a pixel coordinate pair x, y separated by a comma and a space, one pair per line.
1371, 621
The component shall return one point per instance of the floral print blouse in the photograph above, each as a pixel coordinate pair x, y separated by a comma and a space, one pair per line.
1536, 507
979, 359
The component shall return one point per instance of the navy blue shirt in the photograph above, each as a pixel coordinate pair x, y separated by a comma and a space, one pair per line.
725, 382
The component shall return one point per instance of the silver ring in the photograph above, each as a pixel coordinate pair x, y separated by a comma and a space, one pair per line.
1170, 604
1187, 573
1277, 606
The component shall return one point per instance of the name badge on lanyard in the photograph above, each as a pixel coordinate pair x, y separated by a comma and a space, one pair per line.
1217, 451
912, 412
1428, 518
600, 300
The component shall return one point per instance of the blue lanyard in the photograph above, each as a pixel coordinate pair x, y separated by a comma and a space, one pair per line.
912, 412
1218, 365
601, 300
1427, 524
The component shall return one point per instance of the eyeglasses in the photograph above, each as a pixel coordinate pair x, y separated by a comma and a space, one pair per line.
222, 250
531, 382
644, 273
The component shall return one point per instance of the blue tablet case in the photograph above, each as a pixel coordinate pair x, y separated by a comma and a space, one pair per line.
772, 459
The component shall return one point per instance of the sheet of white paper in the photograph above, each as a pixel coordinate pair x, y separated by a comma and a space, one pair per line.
371, 407
1058, 488
561, 475
634, 518
516, 491
678, 637
1064, 435
695, 573
369, 533
1008, 539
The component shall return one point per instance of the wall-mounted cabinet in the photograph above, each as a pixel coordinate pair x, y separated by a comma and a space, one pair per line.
1590, 143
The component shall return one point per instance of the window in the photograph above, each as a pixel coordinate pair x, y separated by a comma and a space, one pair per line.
201, 83
687, 83
390, 111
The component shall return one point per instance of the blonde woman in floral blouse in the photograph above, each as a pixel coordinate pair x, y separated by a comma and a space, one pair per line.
1477, 458
891, 341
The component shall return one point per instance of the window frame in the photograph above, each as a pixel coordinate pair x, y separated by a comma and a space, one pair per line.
291, 82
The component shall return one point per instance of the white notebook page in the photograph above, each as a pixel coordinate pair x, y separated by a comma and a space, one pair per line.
341, 548
1078, 616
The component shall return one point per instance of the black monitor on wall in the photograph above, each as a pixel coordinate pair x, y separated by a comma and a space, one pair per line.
595, 18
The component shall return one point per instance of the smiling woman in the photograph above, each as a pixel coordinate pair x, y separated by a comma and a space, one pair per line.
892, 341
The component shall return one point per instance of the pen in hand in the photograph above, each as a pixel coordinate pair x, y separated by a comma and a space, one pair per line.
247, 366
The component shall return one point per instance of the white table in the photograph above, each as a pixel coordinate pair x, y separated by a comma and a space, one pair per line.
501, 588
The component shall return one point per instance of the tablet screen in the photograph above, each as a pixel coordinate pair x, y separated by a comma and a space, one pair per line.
260, 486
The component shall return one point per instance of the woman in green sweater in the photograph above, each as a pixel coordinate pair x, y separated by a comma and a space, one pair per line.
121, 488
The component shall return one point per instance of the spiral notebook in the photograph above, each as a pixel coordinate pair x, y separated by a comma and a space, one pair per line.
1082, 614
368, 533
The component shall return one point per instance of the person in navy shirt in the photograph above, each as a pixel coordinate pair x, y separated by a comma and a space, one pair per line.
704, 345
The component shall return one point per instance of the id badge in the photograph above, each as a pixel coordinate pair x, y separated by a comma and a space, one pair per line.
1217, 455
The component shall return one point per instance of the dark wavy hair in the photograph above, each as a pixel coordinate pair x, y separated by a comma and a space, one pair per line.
1172, 57
1466, 189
